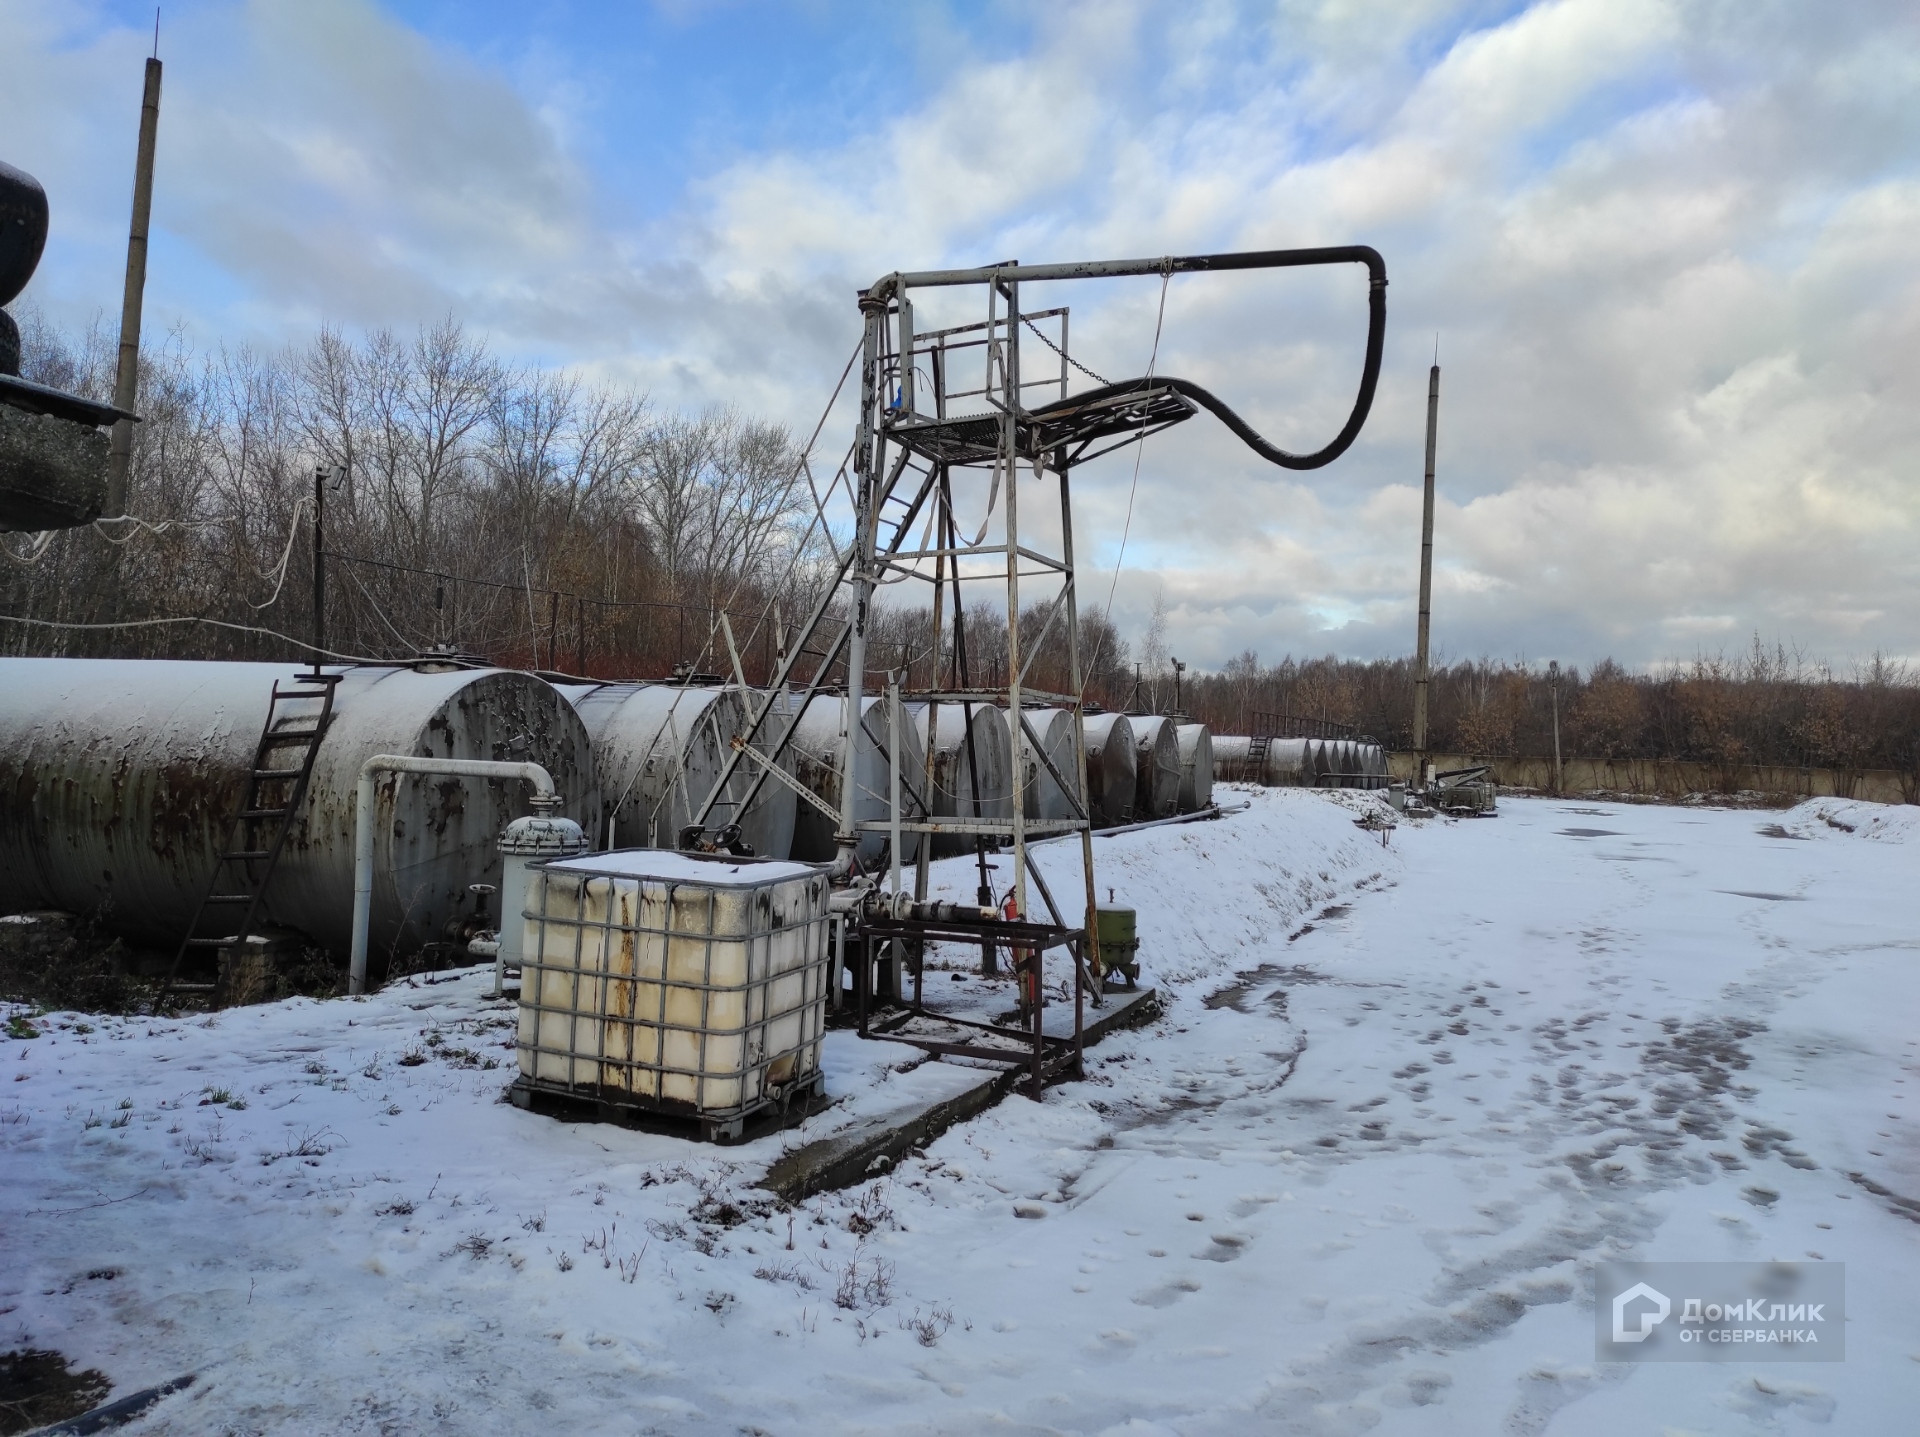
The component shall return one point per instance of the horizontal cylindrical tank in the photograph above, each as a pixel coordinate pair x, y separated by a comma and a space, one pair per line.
1342, 763
1374, 764
817, 746
660, 748
120, 781
1231, 763
1196, 766
1044, 798
1297, 761
1289, 762
1331, 762
972, 763
1111, 769
1156, 756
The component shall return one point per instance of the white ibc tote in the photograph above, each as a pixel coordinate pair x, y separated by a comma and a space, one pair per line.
684, 983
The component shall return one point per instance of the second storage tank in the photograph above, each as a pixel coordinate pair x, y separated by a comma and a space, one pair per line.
1111, 769
1156, 768
1196, 766
972, 762
660, 749
1043, 797
816, 750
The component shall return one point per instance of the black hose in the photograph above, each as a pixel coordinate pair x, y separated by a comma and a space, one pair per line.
1273, 454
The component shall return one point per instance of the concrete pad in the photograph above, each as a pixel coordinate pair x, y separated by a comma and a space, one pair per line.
936, 1095
942, 1094
1125, 1008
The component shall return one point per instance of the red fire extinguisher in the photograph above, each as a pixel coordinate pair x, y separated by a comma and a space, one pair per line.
1025, 959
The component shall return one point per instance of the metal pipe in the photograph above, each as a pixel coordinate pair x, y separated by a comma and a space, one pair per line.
895, 743
1010, 456
896, 951
126, 383
1426, 586
869, 459
363, 802
895, 286
1114, 268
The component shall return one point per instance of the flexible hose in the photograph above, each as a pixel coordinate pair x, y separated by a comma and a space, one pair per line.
1272, 453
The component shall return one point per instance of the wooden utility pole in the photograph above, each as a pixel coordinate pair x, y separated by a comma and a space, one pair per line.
1426, 583
126, 384
1553, 678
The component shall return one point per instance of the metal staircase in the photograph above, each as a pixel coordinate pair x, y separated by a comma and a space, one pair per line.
297, 719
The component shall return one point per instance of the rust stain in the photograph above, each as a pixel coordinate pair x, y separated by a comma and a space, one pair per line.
617, 1071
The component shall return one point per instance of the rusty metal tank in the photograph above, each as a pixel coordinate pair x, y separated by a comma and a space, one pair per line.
1156, 757
1196, 766
817, 749
1289, 762
119, 781
659, 749
1111, 770
972, 766
1043, 797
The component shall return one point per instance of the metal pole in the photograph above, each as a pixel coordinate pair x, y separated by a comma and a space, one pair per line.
1010, 455
1426, 587
942, 504
319, 566
126, 383
869, 459
894, 718
897, 717
1076, 680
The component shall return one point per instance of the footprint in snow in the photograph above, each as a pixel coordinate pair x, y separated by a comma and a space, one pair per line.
1225, 1247
1167, 1293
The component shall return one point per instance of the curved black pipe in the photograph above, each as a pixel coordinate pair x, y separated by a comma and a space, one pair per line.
1369, 373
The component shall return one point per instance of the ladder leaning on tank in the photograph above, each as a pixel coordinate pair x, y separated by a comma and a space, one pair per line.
276, 787
1257, 747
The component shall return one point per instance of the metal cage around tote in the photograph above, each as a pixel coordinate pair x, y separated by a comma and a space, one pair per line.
697, 989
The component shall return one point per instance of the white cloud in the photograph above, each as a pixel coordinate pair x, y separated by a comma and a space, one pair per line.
1666, 245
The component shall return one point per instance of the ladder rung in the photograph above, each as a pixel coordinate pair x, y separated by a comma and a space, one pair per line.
193, 988
289, 736
264, 812
247, 854
212, 942
229, 898
276, 773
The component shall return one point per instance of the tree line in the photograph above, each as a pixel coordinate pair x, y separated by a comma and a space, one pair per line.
520, 515
529, 518
1762, 707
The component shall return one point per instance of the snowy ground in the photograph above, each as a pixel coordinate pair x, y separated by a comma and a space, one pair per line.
1355, 1180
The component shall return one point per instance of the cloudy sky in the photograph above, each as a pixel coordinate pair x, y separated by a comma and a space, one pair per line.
1667, 251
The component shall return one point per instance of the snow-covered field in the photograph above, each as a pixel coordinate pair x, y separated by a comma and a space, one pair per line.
1355, 1179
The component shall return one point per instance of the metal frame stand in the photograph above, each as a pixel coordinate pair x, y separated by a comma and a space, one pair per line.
925, 427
